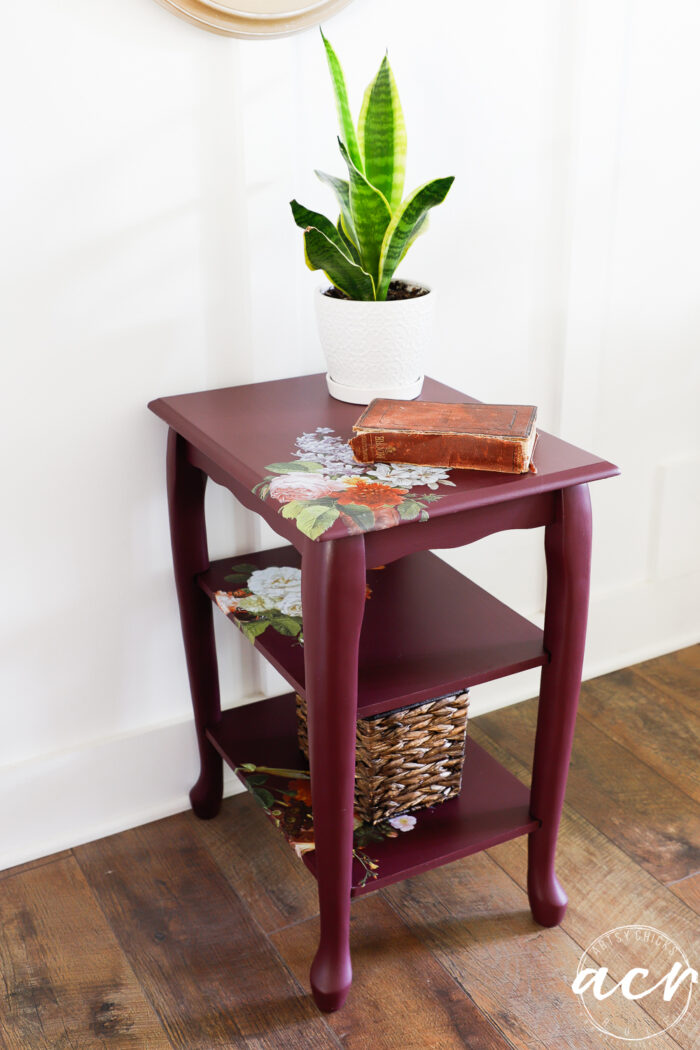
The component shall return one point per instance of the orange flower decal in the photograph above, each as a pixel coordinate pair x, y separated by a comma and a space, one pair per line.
370, 494
303, 791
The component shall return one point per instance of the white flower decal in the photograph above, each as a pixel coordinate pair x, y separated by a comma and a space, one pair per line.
403, 823
408, 475
291, 604
264, 598
276, 584
326, 448
254, 603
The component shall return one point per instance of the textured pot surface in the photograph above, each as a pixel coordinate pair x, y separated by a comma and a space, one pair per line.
375, 349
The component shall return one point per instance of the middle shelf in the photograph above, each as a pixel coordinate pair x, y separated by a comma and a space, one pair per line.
427, 631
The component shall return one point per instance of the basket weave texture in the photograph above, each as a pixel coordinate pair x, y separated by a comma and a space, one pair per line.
405, 759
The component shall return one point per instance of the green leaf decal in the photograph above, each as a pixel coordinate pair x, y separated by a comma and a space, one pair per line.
409, 510
244, 567
362, 516
287, 625
303, 465
293, 509
251, 629
322, 254
347, 128
403, 226
382, 136
367, 833
264, 796
371, 216
313, 521
304, 218
236, 579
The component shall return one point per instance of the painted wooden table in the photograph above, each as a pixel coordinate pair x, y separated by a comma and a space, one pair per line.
385, 624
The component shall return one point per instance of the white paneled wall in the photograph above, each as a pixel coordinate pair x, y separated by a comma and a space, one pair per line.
149, 249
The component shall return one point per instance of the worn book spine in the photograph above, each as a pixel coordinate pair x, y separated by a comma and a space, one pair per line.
474, 451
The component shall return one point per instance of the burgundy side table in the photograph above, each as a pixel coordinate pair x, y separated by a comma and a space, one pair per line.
385, 624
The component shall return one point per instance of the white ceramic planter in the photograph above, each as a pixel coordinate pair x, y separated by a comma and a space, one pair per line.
375, 349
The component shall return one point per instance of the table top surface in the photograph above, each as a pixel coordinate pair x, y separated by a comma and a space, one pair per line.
286, 440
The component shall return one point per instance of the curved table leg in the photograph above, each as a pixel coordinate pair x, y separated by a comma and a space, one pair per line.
188, 534
333, 597
568, 553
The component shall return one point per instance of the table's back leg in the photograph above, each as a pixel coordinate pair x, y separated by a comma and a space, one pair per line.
333, 596
568, 552
186, 486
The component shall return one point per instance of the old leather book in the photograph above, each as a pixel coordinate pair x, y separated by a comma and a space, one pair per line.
478, 436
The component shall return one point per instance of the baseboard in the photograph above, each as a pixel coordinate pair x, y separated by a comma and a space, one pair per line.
104, 787
625, 627
70, 797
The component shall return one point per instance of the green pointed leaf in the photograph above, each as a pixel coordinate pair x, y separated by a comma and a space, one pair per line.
350, 247
302, 465
293, 509
237, 580
346, 275
244, 566
371, 216
382, 136
341, 189
313, 521
362, 516
420, 229
403, 226
304, 218
347, 128
251, 629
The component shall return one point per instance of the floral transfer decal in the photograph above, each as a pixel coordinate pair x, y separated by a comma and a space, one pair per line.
285, 795
324, 484
262, 598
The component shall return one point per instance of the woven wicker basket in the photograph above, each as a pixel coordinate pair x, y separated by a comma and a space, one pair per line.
405, 759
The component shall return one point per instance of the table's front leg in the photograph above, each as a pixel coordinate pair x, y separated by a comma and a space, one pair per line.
333, 598
188, 533
568, 552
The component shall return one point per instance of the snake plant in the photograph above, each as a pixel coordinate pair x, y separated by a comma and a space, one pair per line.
361, 251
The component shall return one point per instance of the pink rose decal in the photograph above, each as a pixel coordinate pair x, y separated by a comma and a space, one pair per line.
303, 486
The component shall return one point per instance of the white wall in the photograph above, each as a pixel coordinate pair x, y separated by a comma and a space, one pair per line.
148, 249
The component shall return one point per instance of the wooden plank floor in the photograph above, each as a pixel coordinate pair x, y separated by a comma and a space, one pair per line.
199, 935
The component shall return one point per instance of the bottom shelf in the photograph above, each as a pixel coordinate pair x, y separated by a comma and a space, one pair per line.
259, 742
